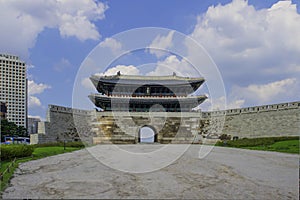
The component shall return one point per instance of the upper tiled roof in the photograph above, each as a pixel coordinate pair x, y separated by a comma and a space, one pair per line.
135, 79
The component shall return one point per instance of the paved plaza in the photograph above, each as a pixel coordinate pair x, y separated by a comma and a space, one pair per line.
225, 173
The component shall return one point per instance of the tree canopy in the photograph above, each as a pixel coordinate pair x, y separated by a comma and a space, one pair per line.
11, 129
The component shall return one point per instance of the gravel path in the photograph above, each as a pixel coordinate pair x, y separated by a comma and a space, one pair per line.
225, 173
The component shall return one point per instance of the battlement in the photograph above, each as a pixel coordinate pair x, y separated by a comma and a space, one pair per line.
255, 109
236, 111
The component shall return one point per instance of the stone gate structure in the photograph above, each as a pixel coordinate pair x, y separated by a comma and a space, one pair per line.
104, 127
165, 104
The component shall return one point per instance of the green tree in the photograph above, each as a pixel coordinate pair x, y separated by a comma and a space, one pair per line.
22, 131
11, 129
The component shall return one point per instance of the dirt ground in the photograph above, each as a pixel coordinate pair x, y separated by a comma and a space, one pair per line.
225, 173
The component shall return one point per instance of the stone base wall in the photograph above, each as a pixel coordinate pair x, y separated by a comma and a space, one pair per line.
123, 127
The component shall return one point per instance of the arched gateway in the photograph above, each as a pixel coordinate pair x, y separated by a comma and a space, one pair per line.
147, 134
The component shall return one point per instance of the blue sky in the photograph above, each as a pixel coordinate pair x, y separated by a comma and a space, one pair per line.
255, 44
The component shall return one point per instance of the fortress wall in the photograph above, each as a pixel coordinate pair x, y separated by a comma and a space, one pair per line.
260, 121
66, 110
104, 127
60, 125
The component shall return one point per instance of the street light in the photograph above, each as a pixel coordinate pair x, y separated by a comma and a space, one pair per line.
64, 142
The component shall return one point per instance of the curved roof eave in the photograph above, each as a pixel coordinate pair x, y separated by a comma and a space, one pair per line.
139, 77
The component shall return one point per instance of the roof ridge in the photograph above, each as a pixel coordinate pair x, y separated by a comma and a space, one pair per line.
168, 77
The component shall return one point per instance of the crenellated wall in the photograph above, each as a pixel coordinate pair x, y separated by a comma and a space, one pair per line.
255, 109
64, 124
186, 127
259, 121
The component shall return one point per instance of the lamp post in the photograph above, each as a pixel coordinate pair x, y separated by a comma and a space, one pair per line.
64, 142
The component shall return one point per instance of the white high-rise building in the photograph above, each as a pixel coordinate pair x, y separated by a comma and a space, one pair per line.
13, 88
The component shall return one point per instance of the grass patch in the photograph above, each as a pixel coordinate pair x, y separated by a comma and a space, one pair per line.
289, 146
78, 144
279, 144
39, 152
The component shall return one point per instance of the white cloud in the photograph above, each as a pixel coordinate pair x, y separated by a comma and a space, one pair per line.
244, 41
24, 20
124, 69
236, 104
161, 43
114, 45
267, 92
33, 89
33, 102
173, 64
252, 46
254, 94
62, 65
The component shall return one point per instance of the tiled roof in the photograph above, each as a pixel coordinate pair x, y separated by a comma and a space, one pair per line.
153, 78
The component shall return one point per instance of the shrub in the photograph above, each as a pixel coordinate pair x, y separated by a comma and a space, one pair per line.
11, 151
225, 137
77, 144
250, 142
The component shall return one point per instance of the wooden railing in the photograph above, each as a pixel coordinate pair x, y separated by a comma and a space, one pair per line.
8, 168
